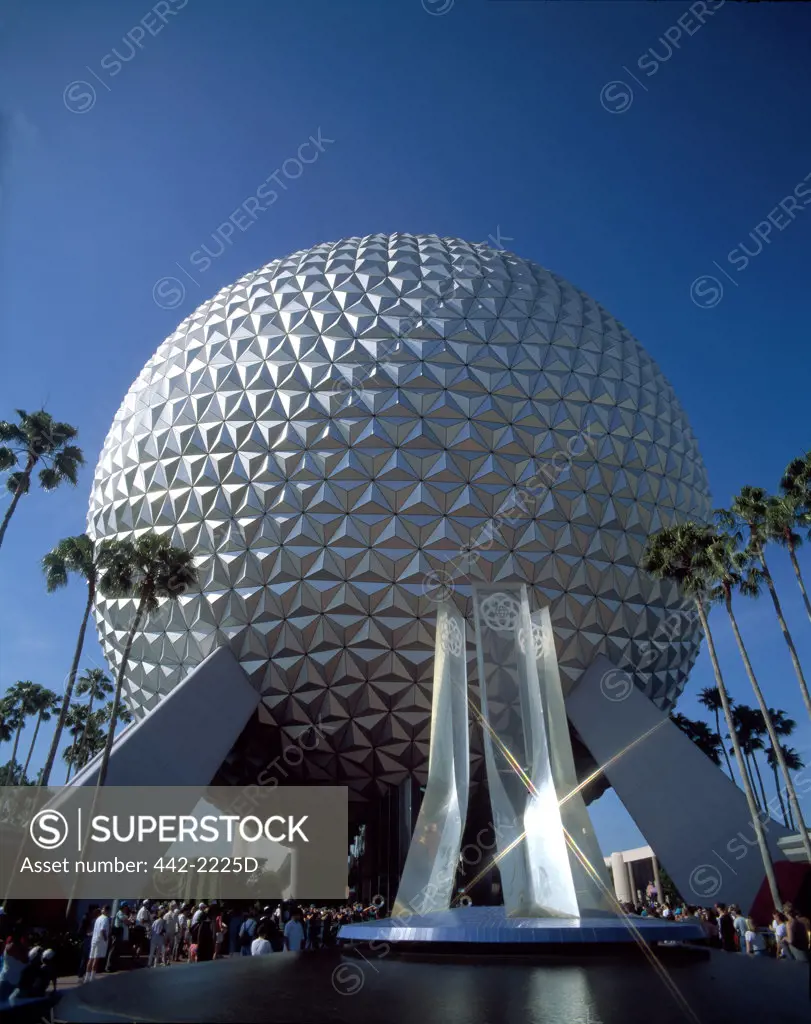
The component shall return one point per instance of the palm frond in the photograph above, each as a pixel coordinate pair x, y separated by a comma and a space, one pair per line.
61, 433
56, 571
18, 481
73, 452
710, 697
117, 561
66, 467
797, 476
8, 458
10, 432
794, 762
49, 478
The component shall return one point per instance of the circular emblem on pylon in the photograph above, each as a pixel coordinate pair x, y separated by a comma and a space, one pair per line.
450, 636
538, 640
501, 612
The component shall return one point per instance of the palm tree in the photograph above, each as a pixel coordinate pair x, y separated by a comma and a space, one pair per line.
43, 703
746, 725
679, 553
711, 699
12, 720
88, 727
750, 508
798, 473
784, 727
148, 569
80, 557
771, 760
755, 744
729, 570
14, 771
104, 714
794, 763
36, 439
6, 731
793, 509
76, 724
707, 741
96, 684
19, 703
70, 756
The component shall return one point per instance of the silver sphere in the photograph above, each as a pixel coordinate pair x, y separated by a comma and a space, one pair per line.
353, 430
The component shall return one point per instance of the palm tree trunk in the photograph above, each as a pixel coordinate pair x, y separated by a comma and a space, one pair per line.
723, 745
793, 802
768, 867
777, 786
108, 745
84, 731
119, 686
67, 775
74, 668
33, 741
750, 775
799, 576
17, 495
9, 779
760, 783
786, 634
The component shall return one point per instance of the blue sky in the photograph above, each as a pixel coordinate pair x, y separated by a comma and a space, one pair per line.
627, 152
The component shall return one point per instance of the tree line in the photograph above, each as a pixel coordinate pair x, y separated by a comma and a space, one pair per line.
148, 569
718, 563
85, 724
750, 725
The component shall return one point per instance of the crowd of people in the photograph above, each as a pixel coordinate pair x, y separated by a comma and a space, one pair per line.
167, 933
29, 966
158, 934
155, 934
788, 937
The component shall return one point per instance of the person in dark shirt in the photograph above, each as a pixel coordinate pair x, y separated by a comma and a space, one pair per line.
726, 930
202, 935
39, 973
267, 921
796, 940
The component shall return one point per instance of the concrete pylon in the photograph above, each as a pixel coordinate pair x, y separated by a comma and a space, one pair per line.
662, 778
620, 873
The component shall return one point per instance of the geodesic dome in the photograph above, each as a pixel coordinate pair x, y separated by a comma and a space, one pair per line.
338, 432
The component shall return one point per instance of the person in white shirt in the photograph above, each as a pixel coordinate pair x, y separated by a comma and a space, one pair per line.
170, 927
261, 944
98, 944
779, 929
157, 942
182, 933
198, 914
143, 917
294, 933
755, 943
739, 923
